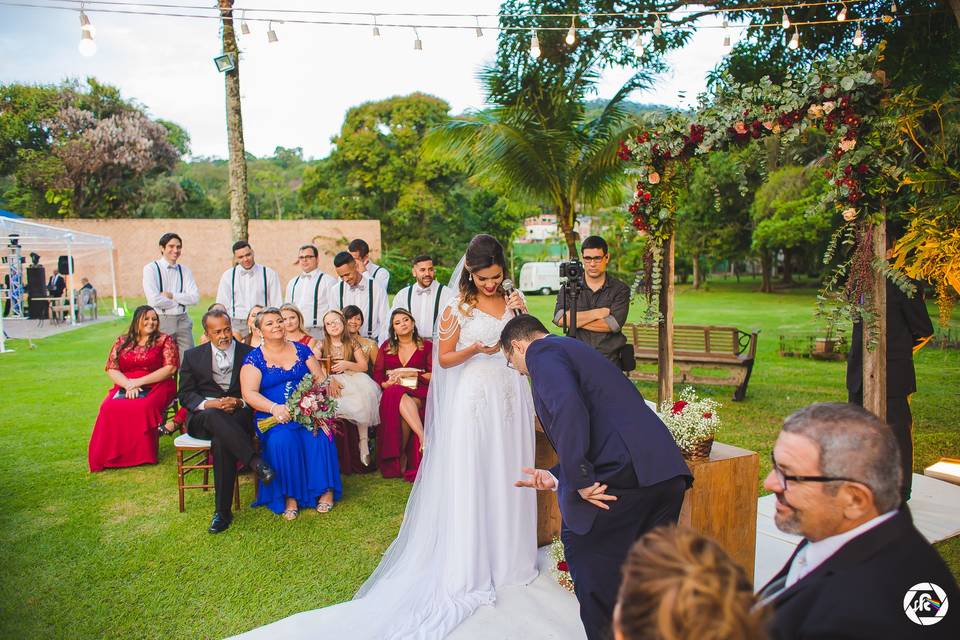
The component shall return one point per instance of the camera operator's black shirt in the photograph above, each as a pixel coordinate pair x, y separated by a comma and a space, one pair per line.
614, 295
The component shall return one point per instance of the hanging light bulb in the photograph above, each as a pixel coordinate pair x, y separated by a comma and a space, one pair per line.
726, 31
376, 28
271, 34
479, 30
657, 27
786, 20
795, 40
638, 45
87, 47
417, 43
858, 38
534, 44
893, 6
85, 25
572, 31
842, 14
244, 27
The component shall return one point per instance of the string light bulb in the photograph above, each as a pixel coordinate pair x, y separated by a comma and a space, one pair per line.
417, 42
858, 37
638, 45
376, 28
795, 40
572, 32
271, 34
842, 14
893, 6
86, 26
244, 27
786, 20
534, 44
657, 27
479, 30
87, 47
726, 31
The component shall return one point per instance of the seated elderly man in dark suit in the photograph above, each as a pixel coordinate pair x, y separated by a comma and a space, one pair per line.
863, 570
210, 391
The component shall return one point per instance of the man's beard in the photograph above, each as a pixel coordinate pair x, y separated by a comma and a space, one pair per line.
429, 281
789, 522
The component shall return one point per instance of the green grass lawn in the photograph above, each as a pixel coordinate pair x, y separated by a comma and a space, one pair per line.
108, 555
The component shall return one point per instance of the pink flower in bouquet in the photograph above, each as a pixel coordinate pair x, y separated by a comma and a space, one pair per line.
654, 177
740, 128
848, 145
306, 405
678, 406
849, 214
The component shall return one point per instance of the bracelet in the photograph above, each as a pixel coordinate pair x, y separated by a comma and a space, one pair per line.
271, 408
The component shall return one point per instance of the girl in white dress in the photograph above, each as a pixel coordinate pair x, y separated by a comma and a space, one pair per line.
359, 401
467, 531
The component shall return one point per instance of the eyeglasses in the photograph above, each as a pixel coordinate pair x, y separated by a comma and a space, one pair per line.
593, 258
782, 478
307, 257
510, 363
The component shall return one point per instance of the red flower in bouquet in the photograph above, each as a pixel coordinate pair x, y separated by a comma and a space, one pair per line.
678, 406
563, 566
707, 415
623, 152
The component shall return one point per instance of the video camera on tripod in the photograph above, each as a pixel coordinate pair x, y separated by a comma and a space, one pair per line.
571, 275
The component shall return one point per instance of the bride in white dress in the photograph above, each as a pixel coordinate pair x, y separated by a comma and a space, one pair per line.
467, 531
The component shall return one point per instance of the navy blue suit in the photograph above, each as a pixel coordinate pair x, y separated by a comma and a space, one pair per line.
603, 432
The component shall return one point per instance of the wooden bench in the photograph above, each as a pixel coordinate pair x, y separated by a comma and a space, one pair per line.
703, 347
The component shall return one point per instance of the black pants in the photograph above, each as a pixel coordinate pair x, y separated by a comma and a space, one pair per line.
901, 423
232, 437
596, 558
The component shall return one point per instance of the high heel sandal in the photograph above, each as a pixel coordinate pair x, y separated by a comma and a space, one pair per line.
324, 507
290, 514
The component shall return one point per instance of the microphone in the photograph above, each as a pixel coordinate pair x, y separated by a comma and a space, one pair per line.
508, 291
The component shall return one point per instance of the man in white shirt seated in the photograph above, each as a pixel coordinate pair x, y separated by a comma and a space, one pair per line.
170, 289
355, 287
308, 291
245, 285
360, 250
863, 570
426, 298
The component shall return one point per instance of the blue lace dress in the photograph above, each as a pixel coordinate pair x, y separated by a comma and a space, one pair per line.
306, 464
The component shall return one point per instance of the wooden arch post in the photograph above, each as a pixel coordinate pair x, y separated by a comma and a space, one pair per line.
875, 358
665, 333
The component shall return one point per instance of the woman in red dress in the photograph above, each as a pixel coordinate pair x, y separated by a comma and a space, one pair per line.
293, 325
142, 366
401, 407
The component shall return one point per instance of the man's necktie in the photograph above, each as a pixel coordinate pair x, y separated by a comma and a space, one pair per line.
223, 362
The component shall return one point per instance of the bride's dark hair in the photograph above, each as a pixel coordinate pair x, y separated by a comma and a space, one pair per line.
482, 252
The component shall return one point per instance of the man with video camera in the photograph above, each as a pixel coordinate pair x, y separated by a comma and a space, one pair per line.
601, 302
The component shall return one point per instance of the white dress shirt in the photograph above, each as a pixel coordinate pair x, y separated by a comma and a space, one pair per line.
160, 276
813, 554
309, 292
371, 298
379, 274
425, 305
240, 289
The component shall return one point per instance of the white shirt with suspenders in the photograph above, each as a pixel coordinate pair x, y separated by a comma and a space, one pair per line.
241, 289
379, 274
308, 291
160, 276
371, 298
425, 305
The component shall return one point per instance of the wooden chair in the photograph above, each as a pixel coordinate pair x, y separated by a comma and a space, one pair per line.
193, 454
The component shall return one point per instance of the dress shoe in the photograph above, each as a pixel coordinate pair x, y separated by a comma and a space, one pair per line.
264, 472
220, 522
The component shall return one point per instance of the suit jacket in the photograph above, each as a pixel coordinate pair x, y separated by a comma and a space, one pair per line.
56, 286
196, 377
907, 324
599, 425
859, 591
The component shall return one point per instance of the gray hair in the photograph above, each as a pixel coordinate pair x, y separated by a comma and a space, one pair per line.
853, 443
269, 311
213, 312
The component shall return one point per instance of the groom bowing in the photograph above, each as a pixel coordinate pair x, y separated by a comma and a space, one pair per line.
620, 472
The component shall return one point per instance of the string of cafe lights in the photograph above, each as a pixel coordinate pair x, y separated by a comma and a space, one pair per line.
87, 44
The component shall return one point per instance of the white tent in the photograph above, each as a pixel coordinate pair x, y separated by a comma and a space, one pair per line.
47, 240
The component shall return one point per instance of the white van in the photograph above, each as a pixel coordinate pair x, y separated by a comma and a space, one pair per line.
542, 277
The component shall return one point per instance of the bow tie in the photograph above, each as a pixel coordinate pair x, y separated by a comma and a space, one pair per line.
245, 272
420, 291
360, 286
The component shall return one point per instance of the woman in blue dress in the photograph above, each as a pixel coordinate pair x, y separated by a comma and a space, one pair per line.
307, 471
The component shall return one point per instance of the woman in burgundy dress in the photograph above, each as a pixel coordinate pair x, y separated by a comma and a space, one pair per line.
142, 366
401, 407
293, 325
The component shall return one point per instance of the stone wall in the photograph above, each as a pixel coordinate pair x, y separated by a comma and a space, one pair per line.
206, 247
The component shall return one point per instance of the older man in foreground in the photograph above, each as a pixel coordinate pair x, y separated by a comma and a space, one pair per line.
863, 570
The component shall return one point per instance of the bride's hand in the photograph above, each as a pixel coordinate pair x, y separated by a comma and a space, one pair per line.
538, 479
488, 350
515, 301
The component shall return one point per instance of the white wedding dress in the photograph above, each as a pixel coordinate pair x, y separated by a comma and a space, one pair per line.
466, 530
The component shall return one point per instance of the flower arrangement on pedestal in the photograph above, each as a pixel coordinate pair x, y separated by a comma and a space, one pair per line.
693, 423
561, 572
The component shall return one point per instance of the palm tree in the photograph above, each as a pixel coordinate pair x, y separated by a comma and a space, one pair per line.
545, 145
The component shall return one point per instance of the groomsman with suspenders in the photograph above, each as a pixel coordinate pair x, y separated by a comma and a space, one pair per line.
308, 291
356, 288
426, 298
247, 284
360, 250
170, 289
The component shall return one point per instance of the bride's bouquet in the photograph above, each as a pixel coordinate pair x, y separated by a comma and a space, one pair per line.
562, 571
310, 404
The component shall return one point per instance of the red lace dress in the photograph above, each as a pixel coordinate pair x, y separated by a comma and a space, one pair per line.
389, 434
125, 433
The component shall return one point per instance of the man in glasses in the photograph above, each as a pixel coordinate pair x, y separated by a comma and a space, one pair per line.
602, 305
308, 290
859, 570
